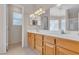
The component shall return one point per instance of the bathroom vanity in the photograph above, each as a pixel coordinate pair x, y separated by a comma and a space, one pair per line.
56, 20
53, 44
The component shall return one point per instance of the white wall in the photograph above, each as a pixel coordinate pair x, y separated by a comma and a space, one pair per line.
2, 28
9, 25
26, 22
57, 11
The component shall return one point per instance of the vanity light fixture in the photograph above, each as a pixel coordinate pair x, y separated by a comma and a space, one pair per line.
38, 12
32, 15
40, 9
41, 12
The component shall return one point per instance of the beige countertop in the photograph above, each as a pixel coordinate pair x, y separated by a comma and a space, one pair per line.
66, 36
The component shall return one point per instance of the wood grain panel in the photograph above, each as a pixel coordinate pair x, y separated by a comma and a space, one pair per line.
38, 43
31, 40
49, 39
38, 39
39, 49
49, 49
68, 44
62, 51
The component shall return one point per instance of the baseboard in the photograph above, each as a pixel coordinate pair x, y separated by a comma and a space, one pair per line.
15, 43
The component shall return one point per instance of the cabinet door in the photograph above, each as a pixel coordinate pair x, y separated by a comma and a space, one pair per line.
38, 43
38, 39
49, 49
68, 44
31, 40
62, 51
39, 49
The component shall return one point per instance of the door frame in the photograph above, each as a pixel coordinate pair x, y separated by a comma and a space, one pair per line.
23, 28
22, 25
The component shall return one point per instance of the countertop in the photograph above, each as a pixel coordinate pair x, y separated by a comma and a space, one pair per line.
74, 37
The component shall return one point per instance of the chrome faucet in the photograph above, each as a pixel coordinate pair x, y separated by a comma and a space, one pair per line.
62, 32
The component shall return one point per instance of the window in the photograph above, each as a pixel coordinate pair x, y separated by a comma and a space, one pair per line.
54, 25
17, 18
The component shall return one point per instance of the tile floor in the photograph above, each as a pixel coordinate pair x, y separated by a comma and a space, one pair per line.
18, 50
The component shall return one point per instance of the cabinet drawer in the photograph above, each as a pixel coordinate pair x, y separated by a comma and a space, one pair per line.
68, 44
62, 51
49, 39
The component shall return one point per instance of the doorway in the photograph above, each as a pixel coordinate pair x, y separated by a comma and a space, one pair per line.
15, 26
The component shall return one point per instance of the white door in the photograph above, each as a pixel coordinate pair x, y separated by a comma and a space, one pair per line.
17, 27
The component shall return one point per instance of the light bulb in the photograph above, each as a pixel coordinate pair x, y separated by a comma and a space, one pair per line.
40, 9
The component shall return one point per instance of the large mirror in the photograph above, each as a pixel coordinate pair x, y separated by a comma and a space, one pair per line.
72, 19
53, 19
61, 20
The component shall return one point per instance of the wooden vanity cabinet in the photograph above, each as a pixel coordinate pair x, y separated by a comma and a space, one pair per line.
49, 45
31, 40
49, 49
63, 51
66, 46
39, 43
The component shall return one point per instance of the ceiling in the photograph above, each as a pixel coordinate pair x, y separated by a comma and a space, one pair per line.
31, 8
69, 6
